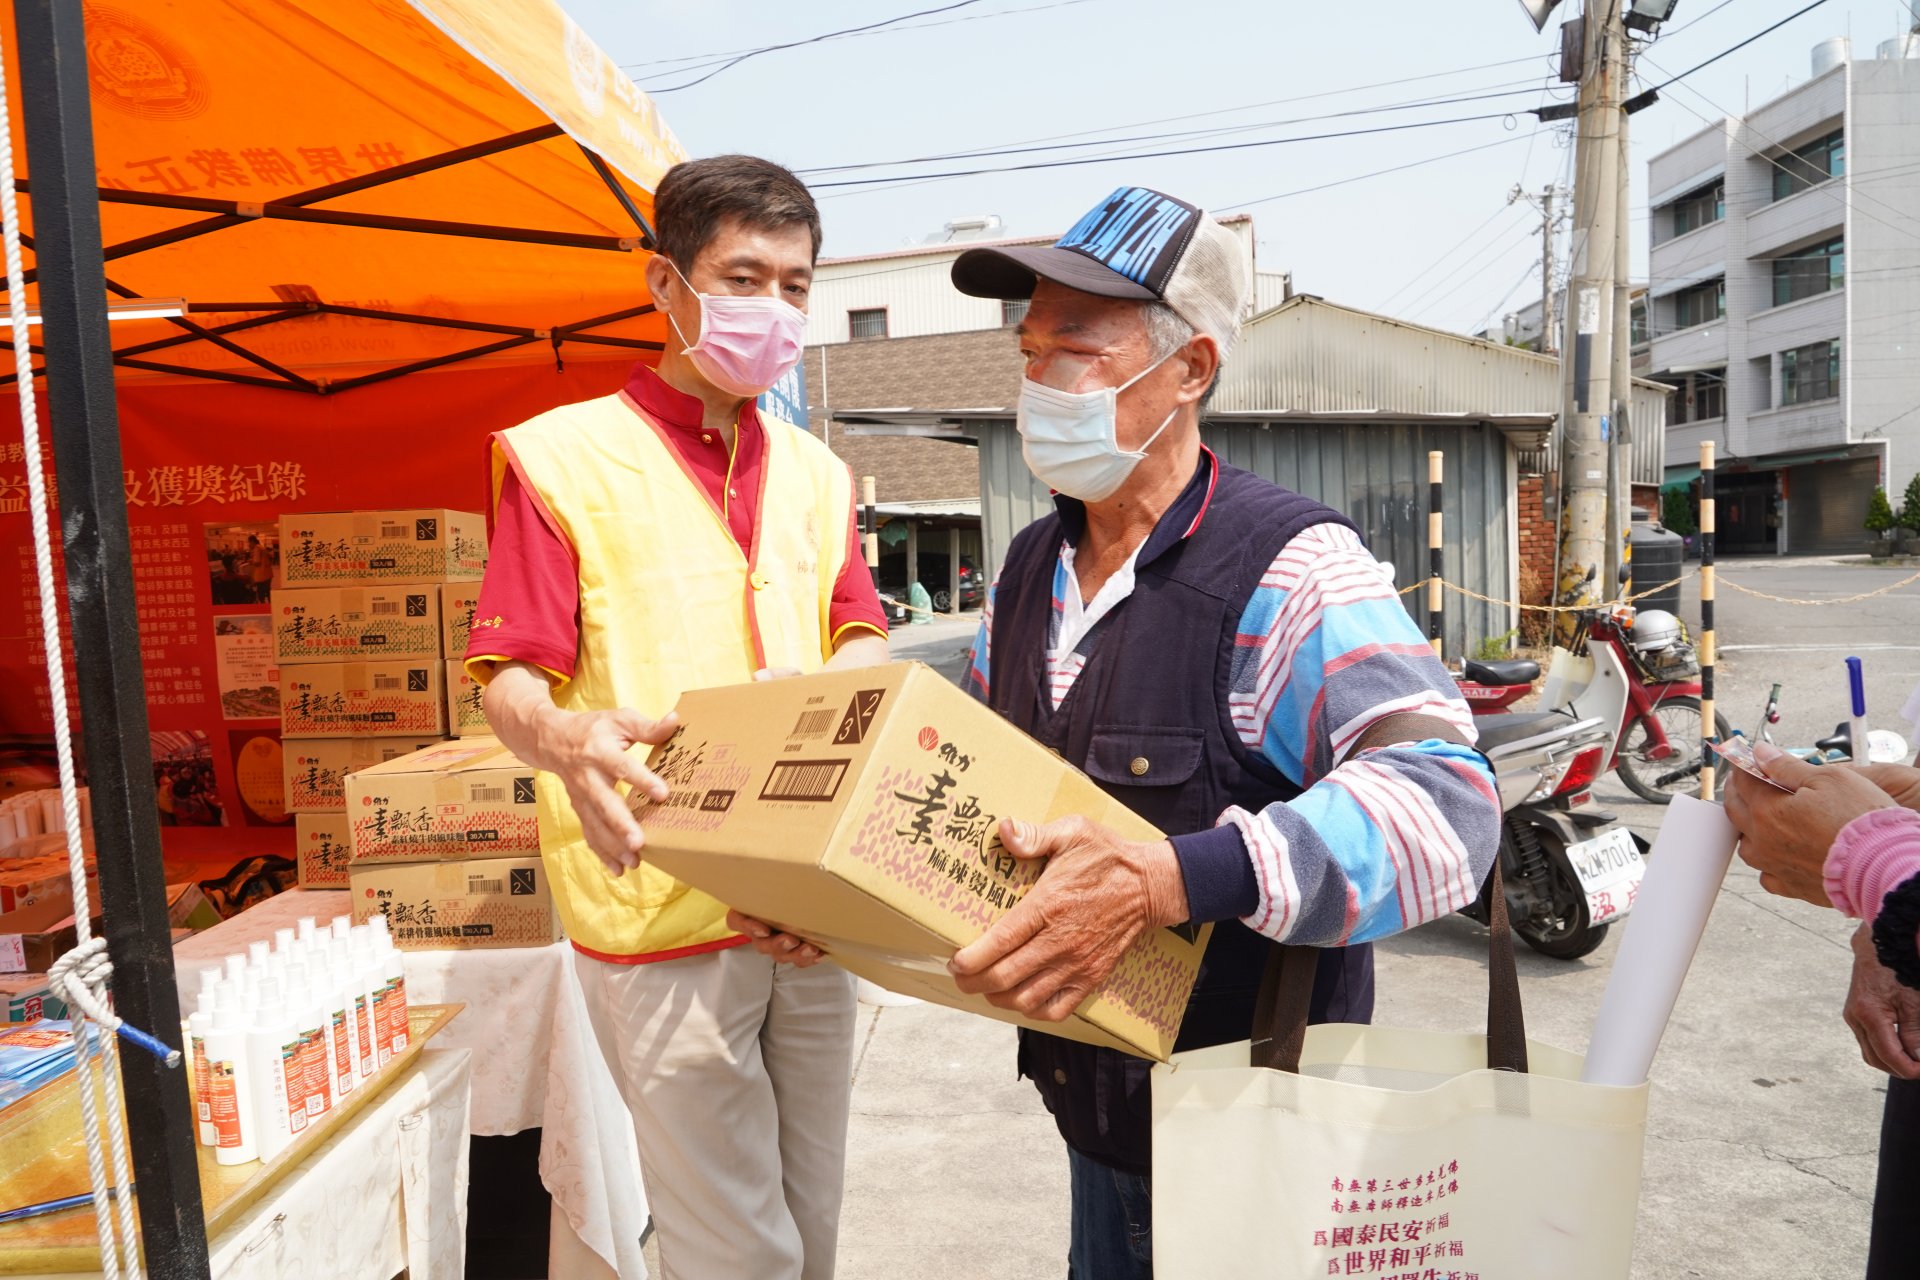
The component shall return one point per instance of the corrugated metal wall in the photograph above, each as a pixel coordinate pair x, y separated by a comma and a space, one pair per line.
1375, 473
1649, 439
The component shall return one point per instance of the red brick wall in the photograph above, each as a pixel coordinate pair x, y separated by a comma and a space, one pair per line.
1536, 542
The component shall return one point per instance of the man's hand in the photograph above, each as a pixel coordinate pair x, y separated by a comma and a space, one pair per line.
1902, 784
784, 948
1883, 1013
1097, 894
1786, 837
589, 751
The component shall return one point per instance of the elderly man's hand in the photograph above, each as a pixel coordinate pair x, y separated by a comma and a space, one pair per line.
1786, 837
784, 948
1097, 894
1883, 1013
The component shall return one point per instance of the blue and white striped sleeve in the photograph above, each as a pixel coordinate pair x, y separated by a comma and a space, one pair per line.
979, 658
1379, 841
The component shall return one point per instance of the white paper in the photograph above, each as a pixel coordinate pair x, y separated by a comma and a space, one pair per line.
1685, 869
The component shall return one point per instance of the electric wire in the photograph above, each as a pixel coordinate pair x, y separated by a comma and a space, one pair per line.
704, 60
1802, 12
794, 44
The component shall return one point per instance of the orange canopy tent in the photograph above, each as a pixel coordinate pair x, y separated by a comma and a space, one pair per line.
305, 200
343, 191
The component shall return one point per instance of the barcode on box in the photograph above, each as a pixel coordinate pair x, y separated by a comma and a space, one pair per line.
815, 724
481, 884
811, 781
385, 684
381, 607
489, 795
390, 531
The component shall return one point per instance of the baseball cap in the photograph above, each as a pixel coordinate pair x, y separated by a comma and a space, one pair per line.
1137, 243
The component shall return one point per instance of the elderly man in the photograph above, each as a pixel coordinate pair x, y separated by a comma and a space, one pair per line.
1223, 656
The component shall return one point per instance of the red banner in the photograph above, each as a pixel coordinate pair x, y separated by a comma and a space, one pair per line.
209, 470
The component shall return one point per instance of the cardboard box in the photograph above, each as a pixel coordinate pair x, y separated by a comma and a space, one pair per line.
467, 799
314, 770
363, 699
26, 882
359, 548
466, 717
31, 939
25, 997
471, 905
323, 847
342, 624
860, 809
457, 603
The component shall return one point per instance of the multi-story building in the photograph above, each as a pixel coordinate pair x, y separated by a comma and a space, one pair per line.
1786, 301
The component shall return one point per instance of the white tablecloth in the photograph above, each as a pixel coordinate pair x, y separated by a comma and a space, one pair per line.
385, 1195
535, 1065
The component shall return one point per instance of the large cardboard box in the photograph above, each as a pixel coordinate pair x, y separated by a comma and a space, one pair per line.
466, 714
364, 699
323, 847
32, 938
345, 624
457, 603
467, 799
25, 997
26, 882
314, 770
475, 904
860, 809
359, 548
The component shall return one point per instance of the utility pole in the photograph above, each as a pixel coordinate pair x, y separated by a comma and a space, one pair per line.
1586, 356
1547, 344
1620, 446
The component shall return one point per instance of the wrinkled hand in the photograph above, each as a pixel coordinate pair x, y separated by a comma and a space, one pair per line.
783, 948
1901, 783
1786, 837
1883, 1013
1097, 894
589, 751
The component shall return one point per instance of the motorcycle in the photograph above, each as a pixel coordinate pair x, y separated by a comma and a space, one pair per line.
1570, 870
1641, 671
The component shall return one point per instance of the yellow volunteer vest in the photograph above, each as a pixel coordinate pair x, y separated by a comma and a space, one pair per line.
668, 602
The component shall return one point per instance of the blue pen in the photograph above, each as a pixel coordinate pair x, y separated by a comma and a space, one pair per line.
1857, 690
53, 1206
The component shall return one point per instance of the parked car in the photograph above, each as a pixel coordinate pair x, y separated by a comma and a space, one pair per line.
934, 577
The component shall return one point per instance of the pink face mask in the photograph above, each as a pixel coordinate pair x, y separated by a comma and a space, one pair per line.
746, 344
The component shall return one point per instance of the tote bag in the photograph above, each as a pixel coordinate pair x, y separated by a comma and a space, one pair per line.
1343, 1150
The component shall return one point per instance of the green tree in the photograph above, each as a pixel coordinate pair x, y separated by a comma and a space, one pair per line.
1676, 512
1879, 512
1910, 504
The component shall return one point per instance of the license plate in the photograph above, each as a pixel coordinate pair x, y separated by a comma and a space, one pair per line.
1610, 869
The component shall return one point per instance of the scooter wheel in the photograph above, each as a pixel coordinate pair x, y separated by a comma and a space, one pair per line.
1578, 939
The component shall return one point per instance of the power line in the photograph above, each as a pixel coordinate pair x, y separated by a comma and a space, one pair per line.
704, 60
794, 44
1524, 86
1736, 48
1412, 280
1178, 151
1377, 173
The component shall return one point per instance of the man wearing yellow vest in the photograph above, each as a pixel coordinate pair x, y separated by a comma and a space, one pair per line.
665, 538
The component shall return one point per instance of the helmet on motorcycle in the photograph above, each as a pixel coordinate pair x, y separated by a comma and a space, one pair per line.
1655, 629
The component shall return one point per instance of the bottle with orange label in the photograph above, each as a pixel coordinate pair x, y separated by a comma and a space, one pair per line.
229, 1081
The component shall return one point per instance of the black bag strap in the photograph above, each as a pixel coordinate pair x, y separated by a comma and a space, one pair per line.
1286, 992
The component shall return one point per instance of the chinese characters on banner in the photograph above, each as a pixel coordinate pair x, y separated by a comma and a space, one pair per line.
1395, 1228
209, 469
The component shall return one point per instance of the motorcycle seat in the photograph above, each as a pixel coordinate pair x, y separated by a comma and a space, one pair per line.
1508, 672
1502, 730
1840, 740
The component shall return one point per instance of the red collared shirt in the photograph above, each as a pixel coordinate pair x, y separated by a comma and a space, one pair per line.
533, 588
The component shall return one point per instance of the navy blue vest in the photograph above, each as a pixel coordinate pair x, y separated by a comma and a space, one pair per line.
1156, 686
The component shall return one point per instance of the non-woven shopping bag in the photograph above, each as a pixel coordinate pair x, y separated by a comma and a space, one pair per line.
1342, 1150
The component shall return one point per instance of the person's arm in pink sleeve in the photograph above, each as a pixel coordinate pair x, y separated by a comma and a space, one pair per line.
1873, 855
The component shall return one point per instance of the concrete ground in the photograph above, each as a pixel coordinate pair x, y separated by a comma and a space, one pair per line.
1764, 1122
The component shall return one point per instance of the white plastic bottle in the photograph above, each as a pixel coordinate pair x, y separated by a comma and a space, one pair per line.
199, 1023
366, 981
236, 966
267, 1035
229, 1083
341, 1072
257, 953
282, 941
311, 1028
393, 982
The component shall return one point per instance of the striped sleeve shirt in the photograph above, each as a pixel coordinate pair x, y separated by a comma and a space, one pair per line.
1378, 841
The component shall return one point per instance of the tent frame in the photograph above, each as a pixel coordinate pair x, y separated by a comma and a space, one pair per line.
299, 208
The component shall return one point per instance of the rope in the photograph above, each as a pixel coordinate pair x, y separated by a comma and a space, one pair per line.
84, 972
1722, 580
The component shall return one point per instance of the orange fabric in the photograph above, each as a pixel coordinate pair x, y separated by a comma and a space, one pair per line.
259, 100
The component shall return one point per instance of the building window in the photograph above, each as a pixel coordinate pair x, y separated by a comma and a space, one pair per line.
870, 323
1806, 166
1700, 396
1810, 373
1013, 311
1691, 212
1638, 332
1702, 304
1815, 270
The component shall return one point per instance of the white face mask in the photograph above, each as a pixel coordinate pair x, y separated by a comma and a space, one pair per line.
1069, 437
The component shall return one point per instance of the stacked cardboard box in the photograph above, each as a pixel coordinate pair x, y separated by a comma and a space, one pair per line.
446, 844
363, 643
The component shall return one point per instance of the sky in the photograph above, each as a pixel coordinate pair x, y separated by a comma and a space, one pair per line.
1437, 241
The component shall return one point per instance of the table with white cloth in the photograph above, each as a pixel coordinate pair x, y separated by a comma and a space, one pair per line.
383, 1196
535, 1065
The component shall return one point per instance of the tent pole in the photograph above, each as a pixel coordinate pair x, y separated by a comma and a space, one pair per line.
85, 431
647, 240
